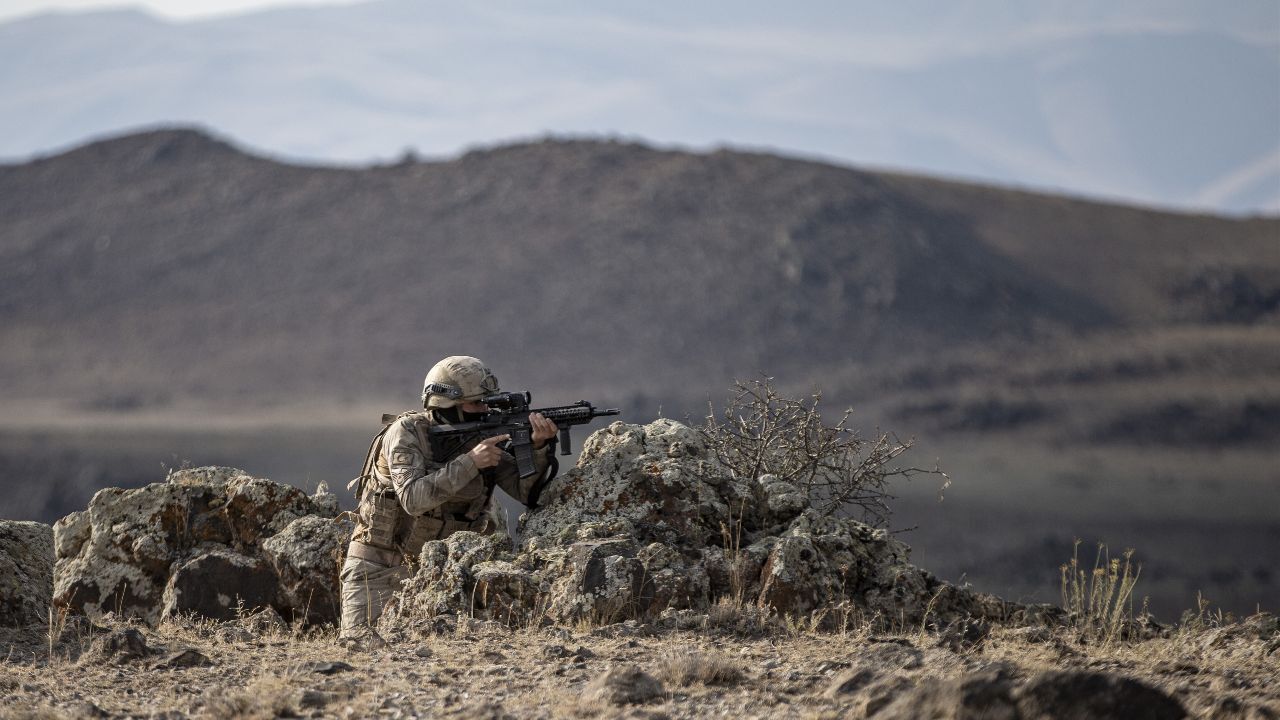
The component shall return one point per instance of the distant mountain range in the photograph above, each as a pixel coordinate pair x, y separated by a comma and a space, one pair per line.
1170, 103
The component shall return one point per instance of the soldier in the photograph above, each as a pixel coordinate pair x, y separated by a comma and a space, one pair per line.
407, 497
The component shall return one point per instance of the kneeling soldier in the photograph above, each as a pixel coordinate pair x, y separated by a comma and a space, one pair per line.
407, 497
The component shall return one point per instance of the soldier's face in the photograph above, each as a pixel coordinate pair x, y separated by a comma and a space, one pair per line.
477, 408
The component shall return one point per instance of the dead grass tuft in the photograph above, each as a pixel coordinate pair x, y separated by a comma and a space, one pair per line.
731, 616
1100, 603
269, 696
685, 669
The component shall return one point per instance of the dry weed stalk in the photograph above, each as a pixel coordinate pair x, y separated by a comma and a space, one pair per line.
928, 609
54, 629
763, 432
731, 535
1100, 602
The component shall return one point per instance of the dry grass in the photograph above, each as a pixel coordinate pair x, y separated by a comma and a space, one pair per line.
269, 696
685, 669
485, 670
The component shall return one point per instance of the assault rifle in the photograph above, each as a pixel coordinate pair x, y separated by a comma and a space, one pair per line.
509, 415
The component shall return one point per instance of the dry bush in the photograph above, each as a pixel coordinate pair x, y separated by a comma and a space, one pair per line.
685, 669
763, 432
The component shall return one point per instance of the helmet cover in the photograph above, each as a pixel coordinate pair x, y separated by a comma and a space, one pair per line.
455, 380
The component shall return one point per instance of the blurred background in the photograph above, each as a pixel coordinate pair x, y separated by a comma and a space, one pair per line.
1044, 241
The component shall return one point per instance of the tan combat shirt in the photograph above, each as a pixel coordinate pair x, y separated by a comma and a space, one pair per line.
434, 499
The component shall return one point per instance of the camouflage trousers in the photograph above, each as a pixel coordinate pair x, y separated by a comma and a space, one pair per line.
366, 588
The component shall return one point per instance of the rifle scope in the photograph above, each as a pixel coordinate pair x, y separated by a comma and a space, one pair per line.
508, 401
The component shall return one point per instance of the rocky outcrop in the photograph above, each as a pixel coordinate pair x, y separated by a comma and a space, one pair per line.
26, 572
211, 541
648, 521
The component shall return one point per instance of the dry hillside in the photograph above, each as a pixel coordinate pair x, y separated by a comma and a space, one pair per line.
163, 266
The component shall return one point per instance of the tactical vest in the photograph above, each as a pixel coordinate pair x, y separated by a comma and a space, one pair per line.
384, 532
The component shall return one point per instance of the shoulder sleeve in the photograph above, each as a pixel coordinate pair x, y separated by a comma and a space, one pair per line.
421, 484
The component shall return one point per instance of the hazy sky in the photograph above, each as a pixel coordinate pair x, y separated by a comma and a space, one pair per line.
1258, 20
168, 8
1172, 102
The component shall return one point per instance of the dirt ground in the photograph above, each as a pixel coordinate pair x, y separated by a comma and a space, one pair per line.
468, 669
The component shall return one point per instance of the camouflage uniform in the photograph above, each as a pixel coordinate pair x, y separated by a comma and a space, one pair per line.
411, 498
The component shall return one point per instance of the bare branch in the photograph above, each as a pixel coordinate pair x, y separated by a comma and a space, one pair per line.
761, 432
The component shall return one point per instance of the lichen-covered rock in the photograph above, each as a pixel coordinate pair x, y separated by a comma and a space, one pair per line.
70, 534
604, 582
123, 552
504, 589
783, 500
211, 475
325, 503
671, 580
445, 581
257, 508
220, 585
307, 557
133, 535
652, 476
648, 521
26, 572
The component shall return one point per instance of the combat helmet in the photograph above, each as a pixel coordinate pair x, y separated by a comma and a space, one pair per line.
455, 380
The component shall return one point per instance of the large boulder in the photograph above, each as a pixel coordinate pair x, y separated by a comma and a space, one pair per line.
220, 585
648, 521
26, 572
307, 557
186, 544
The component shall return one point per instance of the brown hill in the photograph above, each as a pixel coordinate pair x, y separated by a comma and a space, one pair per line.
169, 265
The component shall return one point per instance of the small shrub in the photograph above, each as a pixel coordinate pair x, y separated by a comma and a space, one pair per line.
763, 432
